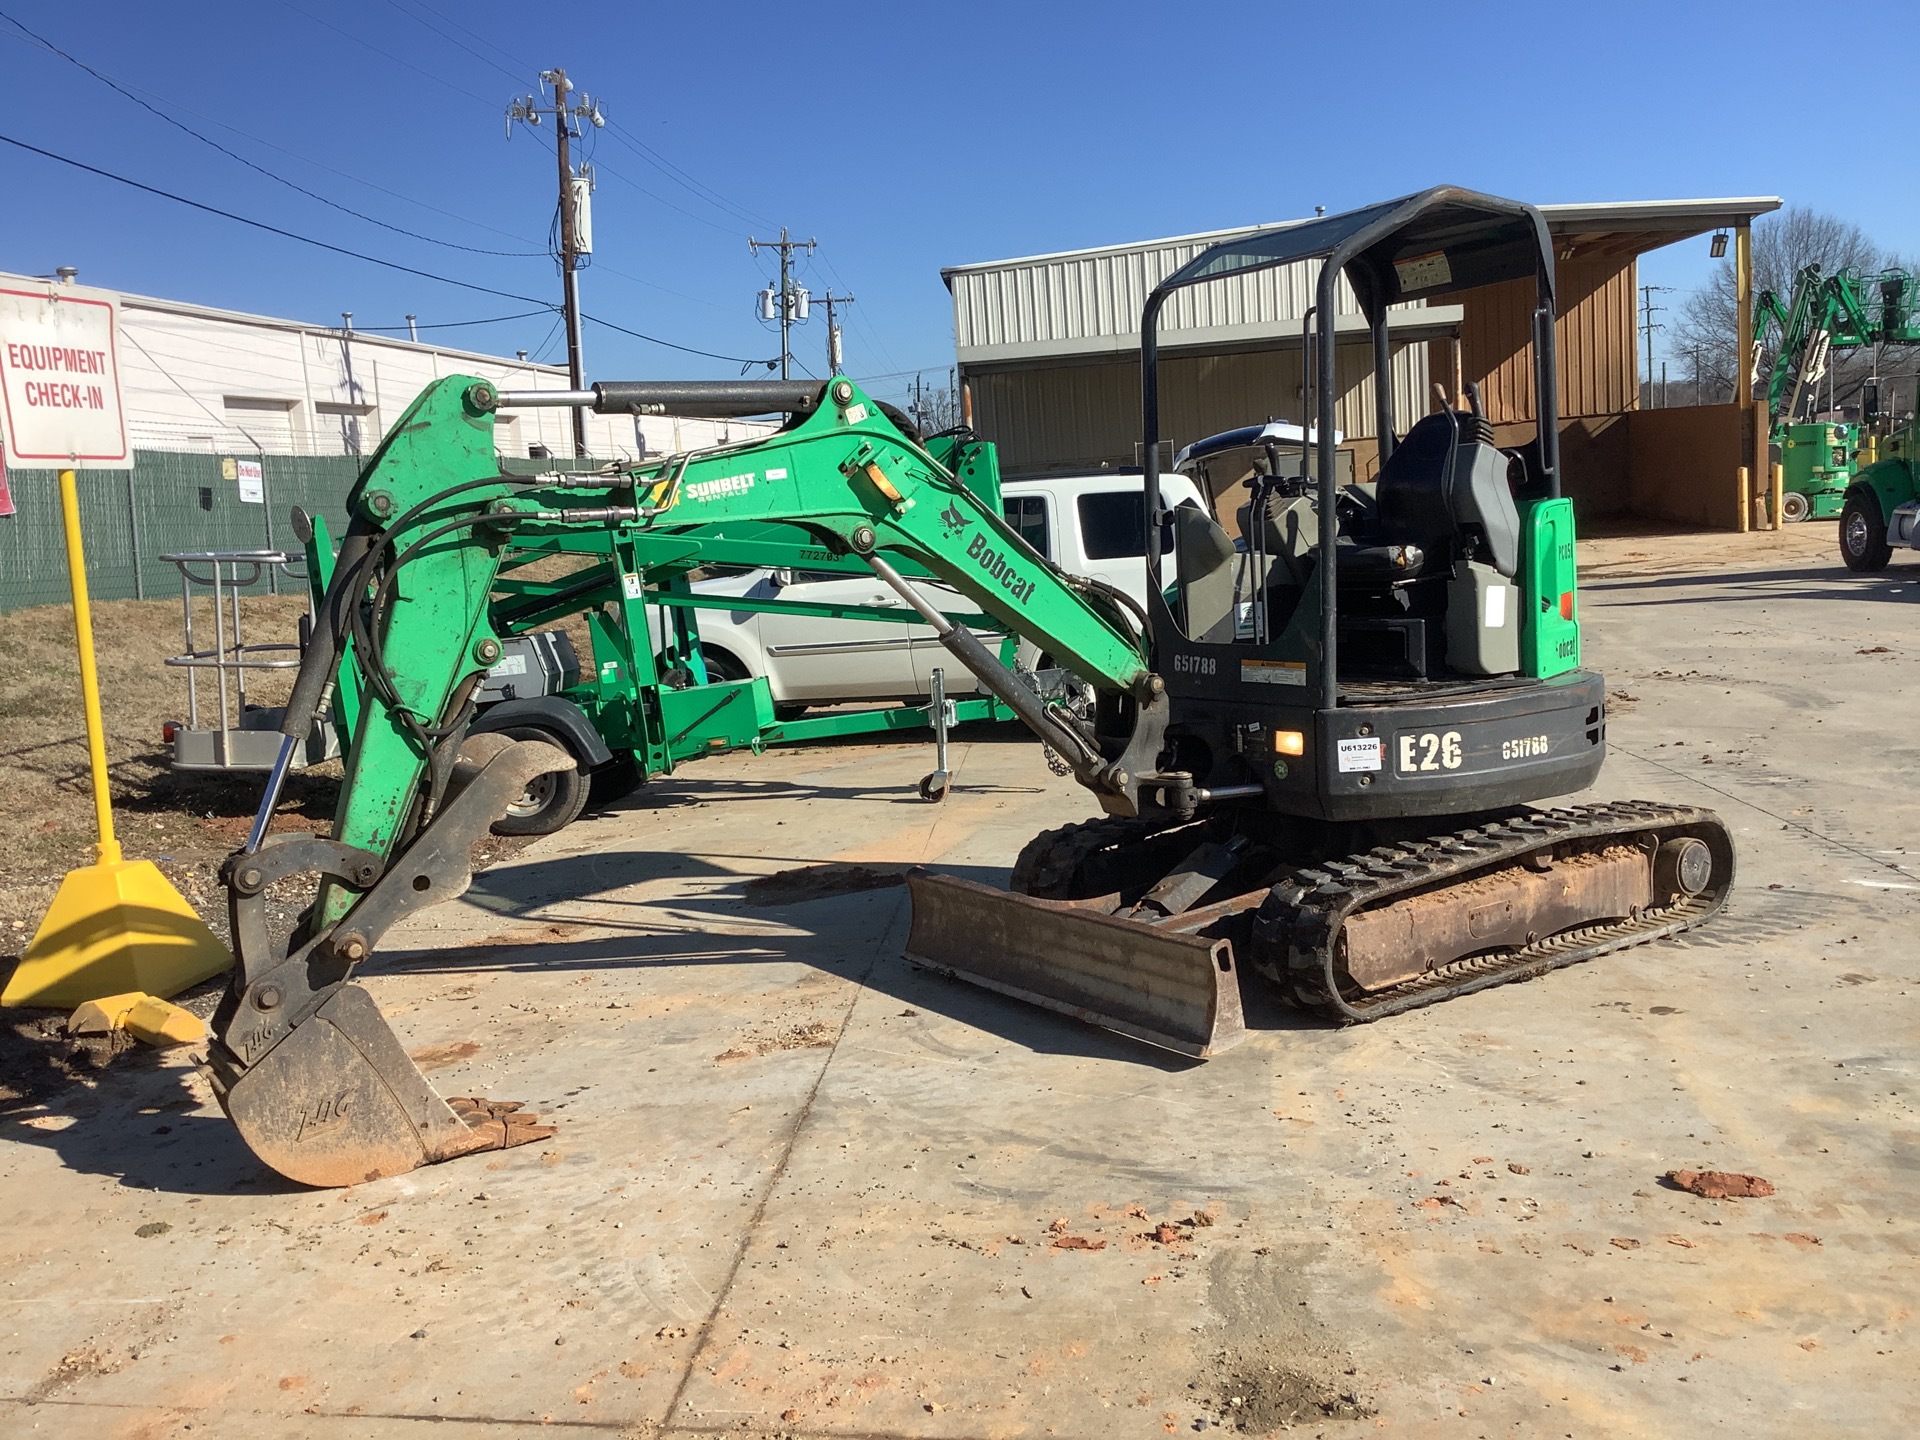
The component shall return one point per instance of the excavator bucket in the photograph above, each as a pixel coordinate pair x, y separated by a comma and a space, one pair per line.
1178, 991
317, 1084
339, 1102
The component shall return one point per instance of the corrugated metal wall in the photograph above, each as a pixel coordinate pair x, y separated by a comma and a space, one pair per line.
1595, 333
1079, 297
1088, 415
167, 502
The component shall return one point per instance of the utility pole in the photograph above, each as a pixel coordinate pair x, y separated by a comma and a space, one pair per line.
789, 303
576, 224
834, 358
1647, 292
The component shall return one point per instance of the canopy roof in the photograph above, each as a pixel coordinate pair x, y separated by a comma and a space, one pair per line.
1428, 244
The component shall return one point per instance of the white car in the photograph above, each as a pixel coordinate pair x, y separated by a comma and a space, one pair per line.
1088, 525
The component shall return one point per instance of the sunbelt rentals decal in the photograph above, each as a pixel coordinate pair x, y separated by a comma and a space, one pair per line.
701, 491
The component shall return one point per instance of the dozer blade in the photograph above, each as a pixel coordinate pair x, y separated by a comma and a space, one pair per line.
1177, 991
303, 1062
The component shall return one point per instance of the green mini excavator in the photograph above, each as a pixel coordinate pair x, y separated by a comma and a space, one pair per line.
1318, 750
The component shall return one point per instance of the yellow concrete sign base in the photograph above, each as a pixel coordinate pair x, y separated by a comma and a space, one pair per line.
115, 927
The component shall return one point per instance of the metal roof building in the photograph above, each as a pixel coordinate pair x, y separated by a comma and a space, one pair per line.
1048, 345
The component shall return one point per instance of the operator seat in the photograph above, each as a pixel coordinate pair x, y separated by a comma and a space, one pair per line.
1444, 489
1205, 557
1441, 498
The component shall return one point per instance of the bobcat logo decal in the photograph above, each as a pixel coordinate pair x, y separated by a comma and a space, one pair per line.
952, 521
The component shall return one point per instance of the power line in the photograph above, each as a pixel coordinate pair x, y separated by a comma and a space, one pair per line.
454, 324
691, 184
477, 35
684, 349
518, 77
209, 141
352, 254
385, 54
262, 225
330, 169
865, 329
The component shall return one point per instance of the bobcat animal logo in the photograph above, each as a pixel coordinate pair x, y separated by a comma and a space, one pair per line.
952, 521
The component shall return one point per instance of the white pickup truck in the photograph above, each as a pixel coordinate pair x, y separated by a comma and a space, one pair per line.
1088, 525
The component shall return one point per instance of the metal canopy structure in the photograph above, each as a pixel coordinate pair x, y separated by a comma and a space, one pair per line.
1432, 243
1440, 240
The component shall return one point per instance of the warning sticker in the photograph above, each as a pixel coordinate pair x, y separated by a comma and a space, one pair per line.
1273, 672
1361, 753
1423, 272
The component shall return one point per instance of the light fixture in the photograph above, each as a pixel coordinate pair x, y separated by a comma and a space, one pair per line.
1289, 742
1719, 243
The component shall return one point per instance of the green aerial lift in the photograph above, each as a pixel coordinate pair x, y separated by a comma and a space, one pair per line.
1336, 792
1843, 311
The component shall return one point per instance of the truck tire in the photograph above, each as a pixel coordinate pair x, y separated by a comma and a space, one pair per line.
550, 802
615, 780
1795, 507
1863, 533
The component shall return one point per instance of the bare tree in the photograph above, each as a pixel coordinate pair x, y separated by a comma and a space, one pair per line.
1784, 243
934, 408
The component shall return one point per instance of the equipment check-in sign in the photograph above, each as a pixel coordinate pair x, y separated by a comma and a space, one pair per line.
60, 375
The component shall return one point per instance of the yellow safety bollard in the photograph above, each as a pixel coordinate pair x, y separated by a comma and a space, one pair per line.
116, 925
1779, 497
1746, 501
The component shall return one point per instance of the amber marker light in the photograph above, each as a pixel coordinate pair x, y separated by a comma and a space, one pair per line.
1289, 742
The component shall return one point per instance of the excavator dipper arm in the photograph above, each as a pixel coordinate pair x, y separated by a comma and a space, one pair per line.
301, 1059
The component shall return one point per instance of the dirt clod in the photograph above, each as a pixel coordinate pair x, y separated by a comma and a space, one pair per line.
813, 1036
1274, 1397
434, 1057
1077, 1242
1720, 1184
153, 1228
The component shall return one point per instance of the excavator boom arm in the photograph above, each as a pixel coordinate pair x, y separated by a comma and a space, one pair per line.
302, 1060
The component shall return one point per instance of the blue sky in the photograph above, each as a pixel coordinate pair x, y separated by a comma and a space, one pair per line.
902, 137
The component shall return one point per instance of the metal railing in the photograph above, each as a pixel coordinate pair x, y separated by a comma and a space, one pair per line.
227, 573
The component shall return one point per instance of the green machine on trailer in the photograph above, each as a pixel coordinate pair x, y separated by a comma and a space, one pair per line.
1881, 508
645, 702
1842, 311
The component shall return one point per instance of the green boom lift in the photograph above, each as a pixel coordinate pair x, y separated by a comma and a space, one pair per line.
1338, 793
1842, 311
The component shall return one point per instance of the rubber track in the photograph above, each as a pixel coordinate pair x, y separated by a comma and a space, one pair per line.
1049, 863
1299, 924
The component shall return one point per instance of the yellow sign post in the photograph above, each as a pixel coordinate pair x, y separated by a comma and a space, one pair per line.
116, 925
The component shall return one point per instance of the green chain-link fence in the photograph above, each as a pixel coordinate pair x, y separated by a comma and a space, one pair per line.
167, 502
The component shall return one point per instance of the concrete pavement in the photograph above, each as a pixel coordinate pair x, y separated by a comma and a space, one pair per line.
800, 1188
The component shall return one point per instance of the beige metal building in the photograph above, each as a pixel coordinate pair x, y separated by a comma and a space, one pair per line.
1048, 349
